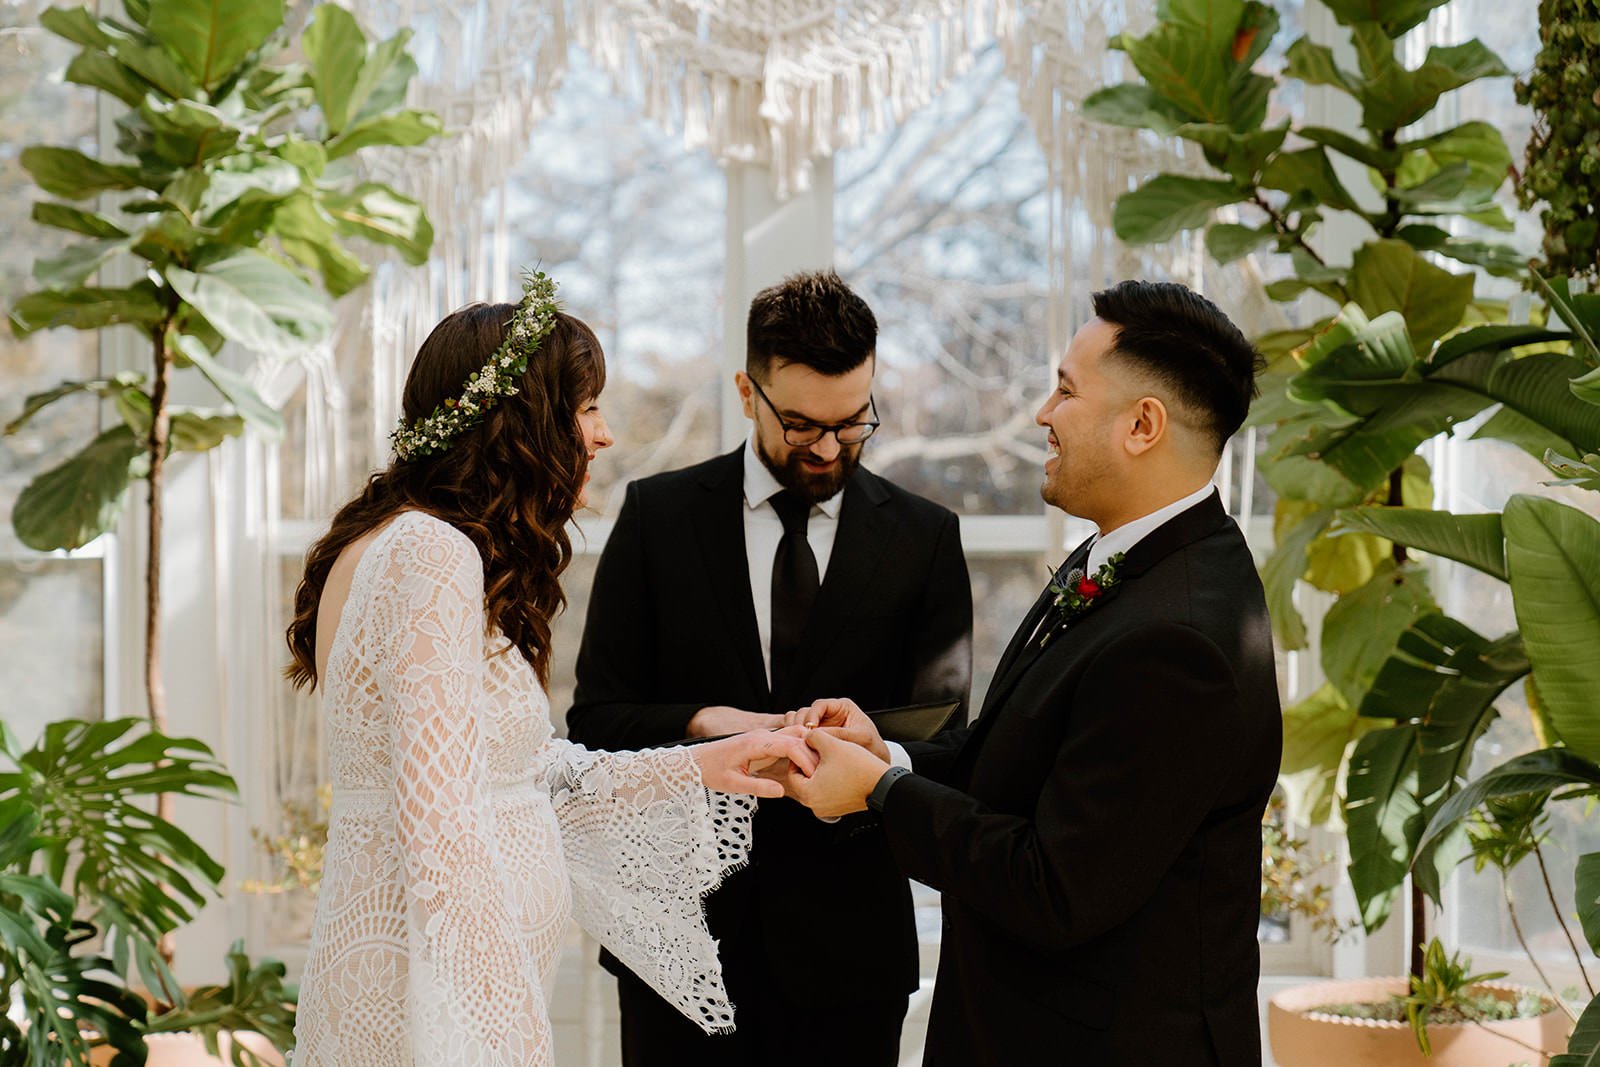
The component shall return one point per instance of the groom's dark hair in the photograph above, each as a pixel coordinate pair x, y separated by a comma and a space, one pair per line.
1186, 343
813, 319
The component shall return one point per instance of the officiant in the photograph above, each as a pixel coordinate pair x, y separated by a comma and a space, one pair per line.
740, 588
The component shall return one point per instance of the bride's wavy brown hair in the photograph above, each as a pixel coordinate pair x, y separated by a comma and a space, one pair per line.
510, 483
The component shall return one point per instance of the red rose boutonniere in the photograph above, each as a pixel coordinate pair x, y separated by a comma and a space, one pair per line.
1076, 592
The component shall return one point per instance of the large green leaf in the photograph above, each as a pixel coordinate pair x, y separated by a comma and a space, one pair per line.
201, 431
1478, 145
1317, 736
1537, 388
1309, 170
1475, 540
1381, 809
74, 265
37, 402
269, 178
308, 235
1186, 57
1583, 1047
1544, 771
1583, 473
70, 505
336, 49
86, 309
1167, 204
212, 37
1228, 241
69, 173
232, 385
1393, 17
1394, 97
1587, 877
378, 213
1389, 275
101, 70
79, 25
1134, 105
65, 217
1361, 629
403, 128
182, 133
1553, 553
1280, 573
257, 302
1314, 64
1491, 339
1374, 156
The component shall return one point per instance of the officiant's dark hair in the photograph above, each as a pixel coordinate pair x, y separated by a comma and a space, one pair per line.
813, 319
510, 483
1185, 342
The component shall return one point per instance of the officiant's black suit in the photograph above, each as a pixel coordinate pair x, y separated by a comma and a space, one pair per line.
821, 912
1096, 832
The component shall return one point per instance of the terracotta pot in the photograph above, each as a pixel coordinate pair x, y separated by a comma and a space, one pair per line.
189, 1050
1300, 1039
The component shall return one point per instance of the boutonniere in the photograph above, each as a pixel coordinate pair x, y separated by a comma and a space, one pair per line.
1076, 592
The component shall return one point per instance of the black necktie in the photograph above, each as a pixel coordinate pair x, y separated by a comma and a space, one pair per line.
794, 588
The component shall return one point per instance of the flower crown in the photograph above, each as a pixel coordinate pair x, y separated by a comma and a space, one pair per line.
530, 324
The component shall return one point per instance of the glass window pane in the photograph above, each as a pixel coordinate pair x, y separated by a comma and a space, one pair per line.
941, 224
51, 660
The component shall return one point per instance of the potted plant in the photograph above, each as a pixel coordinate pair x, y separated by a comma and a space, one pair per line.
228, 200
1350, 398
90, 881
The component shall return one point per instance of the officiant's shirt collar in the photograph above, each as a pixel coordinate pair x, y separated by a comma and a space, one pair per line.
760, 485
1125, 536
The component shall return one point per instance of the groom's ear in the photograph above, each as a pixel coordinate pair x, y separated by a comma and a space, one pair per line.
1147, 427
747, 398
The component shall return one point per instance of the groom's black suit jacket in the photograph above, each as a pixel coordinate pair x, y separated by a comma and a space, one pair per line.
1096, 832
671, 628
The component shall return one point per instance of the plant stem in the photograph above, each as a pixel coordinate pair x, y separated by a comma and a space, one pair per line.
1281, 224
155, 689
1550, 892
1511, 910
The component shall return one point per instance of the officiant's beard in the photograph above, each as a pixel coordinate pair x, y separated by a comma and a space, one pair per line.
816, 488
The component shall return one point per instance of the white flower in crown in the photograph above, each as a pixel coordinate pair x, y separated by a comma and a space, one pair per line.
530, 324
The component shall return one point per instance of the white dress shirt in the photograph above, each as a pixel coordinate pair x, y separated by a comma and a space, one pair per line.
762, 532
1101, 549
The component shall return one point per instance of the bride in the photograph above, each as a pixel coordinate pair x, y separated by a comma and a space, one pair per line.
463, 834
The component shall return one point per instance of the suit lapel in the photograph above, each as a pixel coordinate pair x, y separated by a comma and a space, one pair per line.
1024, 647
866, 528
719, 529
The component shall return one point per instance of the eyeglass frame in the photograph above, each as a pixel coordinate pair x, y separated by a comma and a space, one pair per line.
871, 424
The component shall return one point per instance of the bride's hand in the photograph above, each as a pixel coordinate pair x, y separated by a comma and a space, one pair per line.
731, 765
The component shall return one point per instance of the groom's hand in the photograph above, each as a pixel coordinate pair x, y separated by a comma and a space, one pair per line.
843, 778
843, 718
719, 720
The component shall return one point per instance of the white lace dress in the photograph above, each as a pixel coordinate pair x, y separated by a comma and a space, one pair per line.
463, 835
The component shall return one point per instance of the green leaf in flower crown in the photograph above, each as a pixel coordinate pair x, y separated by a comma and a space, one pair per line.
1133, 105
256, 301
212, 37
1553, 553
406, 127
1394, 97
1168, 204
69, 173
1309, 170
1475, 540
86, 309
70, 505
1394, 17
1362, 627
378, 213
1390, 275
232, 385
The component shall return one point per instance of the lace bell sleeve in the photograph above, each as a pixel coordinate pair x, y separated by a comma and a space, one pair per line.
473, 997
644, 841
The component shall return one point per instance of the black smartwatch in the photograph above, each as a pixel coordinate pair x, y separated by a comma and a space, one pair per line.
880, 792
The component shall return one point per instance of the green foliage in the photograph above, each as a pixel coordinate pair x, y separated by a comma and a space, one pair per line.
83, 863
1562, 171
1583, 1047
231, 216
1441, 986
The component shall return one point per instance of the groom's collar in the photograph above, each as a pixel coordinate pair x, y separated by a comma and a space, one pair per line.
760, 485
1129, 534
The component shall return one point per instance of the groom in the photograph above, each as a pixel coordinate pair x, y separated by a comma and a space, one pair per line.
1096, 832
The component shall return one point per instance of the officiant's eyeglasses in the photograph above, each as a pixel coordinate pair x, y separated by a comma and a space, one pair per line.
800, 434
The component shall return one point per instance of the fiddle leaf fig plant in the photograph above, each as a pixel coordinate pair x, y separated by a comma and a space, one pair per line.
230, 210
